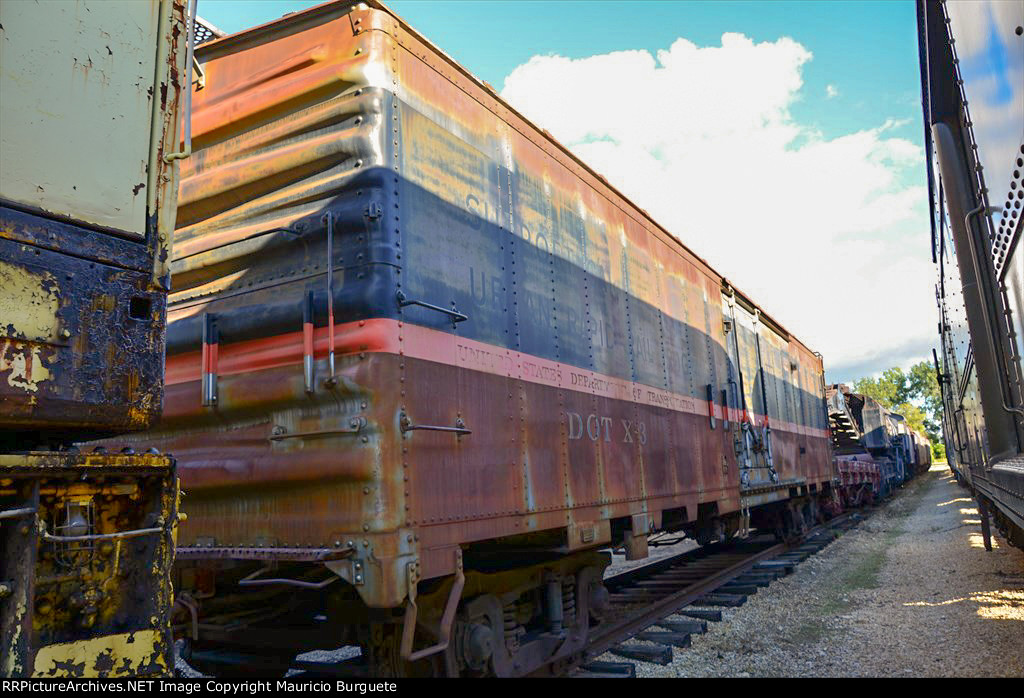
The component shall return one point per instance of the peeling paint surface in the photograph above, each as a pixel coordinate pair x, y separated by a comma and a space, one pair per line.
24, 367
75, 351
92, 103
124, 654
79, 607
80, 72
580, 370
28, 306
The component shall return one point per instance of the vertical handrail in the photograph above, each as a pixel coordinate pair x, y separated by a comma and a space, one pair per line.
189, 57
330, 294
210, 351
993, 335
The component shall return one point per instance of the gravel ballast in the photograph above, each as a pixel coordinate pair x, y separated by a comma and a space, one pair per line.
910, 592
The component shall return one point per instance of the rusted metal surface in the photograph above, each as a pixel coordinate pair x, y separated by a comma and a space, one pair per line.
81, 342
90, 107
570, 358
860, 479
88, 543
83, 249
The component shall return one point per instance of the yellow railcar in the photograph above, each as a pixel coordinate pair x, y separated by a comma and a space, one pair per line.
90, 138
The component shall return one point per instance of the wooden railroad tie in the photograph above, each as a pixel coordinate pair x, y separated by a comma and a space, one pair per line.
653, 654
690, 626
717, 599
606, 670
707, 614
681, 640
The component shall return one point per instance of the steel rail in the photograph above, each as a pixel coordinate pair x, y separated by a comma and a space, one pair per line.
658, 609
603, 639
615, 632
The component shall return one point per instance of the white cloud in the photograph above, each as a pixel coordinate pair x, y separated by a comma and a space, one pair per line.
831, 91
830, 236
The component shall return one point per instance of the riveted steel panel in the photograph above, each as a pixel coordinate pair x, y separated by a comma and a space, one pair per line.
525, 351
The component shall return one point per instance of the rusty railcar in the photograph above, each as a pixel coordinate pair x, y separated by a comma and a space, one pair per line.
923, 450
423, 363
86, 211
90, 136
87, 541
860, 475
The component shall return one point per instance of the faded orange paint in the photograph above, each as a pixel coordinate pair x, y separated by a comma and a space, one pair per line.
292, 116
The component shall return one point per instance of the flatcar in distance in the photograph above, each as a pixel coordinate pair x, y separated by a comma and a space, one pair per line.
872, 445
972, 75
423, 364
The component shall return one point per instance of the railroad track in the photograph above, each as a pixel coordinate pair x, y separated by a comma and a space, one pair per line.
696, 585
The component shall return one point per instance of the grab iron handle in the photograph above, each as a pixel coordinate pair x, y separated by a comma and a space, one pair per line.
279, 433
455, 314
103, 536
190, 39
17, 513
958, 441
459, 428
252, 580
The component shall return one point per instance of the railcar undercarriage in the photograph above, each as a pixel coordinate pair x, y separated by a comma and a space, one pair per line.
505, 612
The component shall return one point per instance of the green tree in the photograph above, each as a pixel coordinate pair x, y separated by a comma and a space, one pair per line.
925, 388
914, 415
890, 389
914, 394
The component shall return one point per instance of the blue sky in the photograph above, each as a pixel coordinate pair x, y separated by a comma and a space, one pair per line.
866, 48
799, 120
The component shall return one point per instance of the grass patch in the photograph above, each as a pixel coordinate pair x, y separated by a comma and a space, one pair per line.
864, 574
861, 571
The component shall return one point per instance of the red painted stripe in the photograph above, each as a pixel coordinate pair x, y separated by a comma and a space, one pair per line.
389, 336
287, 349
307, 338
205, 364
331, 334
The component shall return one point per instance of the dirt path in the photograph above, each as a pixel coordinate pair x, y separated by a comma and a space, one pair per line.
911, 592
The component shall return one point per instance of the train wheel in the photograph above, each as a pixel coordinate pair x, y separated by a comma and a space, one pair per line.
383, 650
792, 524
